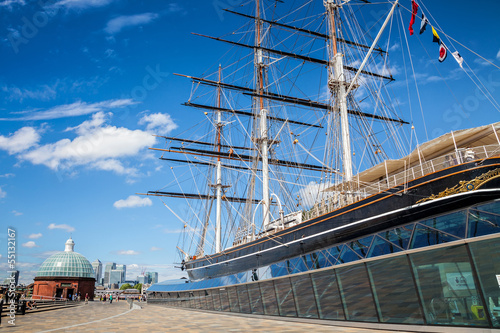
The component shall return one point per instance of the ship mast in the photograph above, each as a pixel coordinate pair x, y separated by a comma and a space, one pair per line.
219, 171
262, 112
337, 85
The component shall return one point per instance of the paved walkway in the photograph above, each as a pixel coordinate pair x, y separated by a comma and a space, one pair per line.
117, 317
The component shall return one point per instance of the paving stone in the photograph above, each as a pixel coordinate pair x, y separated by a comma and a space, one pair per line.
117, 317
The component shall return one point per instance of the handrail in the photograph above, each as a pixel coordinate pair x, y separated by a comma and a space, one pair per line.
421, 169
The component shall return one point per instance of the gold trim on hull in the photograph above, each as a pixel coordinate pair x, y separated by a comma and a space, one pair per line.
465, 186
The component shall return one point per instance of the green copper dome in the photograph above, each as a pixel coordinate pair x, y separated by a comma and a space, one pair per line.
67, 263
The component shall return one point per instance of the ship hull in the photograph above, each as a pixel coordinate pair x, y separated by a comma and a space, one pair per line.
396, 206
440, 271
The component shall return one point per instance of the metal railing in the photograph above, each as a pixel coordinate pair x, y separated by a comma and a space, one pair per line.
363, 190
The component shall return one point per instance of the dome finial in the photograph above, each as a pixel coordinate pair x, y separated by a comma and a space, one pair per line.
70, 244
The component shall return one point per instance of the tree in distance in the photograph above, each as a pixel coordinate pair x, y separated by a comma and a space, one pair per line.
126, 286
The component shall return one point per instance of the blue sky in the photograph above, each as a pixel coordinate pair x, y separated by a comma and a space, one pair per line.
85, 83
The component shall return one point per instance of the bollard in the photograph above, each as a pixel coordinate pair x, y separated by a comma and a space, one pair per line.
21, 308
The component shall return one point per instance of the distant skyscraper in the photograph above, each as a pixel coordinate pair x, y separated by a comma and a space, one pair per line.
123, 268
97, 266
115, 276
107, 270
142, 279
152, 277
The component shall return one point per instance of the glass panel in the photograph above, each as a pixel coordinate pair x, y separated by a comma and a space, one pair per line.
361, 246
229, 280
399, 236
347, 255
327, 295
296, 265
224, 300
209, 299
304, 296
234, 305
284, 295
481, 223
492, 207
279, 269
332, 254
424, 236
395, 294
216, 299
313, 261
451, 223
320, 260
269, 298
197, 299
356, 293
380, 246
192, 303
243, 299
486, 256
203, 300
446, 286
255, 298
265, 272
242, 277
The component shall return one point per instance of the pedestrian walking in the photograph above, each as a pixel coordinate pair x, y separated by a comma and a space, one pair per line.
110, 298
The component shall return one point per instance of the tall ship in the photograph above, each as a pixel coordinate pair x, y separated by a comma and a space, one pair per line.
302, 186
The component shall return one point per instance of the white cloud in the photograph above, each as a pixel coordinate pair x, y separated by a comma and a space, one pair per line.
82, 4
498, 54
9, 3
35, 236
423, 78
97, 146
44, 255
128, 252
133, 201
98, 119
61, 226
7, 175
30, 244
110, 53
154, 248
174, 231
388, 71
73, 110
313, 192
43, 93
174, 8
16, 213
160, 123
3, 194
116, 166
394, 47
118, 23
482, 62
23, 139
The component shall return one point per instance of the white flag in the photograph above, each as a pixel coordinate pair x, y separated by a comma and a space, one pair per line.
458, 58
